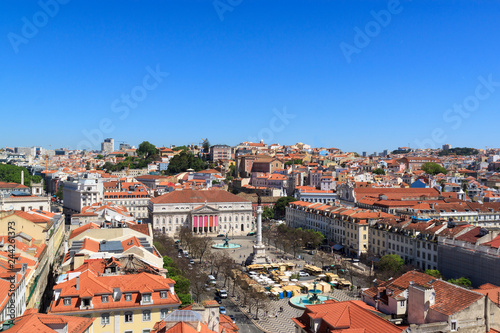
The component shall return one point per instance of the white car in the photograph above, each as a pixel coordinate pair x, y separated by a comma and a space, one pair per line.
302, 274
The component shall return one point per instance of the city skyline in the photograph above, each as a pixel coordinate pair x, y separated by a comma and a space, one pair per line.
357, 76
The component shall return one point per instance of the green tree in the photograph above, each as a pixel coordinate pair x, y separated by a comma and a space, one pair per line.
281, 204
313, 238
463, 282
432, 168
59, 192
295, 161
12, 173
99, 157
180, 148
232, 172
268, 213
206, 146
433, 272
183, 161
379, 171
146, 150
391, 263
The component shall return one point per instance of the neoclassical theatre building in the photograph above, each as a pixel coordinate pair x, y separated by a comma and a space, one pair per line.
204, 211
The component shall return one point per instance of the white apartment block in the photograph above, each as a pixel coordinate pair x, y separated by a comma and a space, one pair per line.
82, 192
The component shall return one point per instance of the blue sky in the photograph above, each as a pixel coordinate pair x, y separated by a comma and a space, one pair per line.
326, 73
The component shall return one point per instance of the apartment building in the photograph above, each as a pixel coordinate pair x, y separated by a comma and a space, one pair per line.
346, 227
220, 152
118, 303
82, 192
133, 196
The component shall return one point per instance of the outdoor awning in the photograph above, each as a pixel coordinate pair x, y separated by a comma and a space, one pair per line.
338, 247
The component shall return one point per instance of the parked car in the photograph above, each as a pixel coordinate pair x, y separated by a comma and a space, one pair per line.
222, 293
221, 235
251, 233
302, 274
232, 318
191, 262
218, 299
222, 310
186, 254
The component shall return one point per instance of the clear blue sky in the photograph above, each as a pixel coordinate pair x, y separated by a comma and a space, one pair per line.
227, 78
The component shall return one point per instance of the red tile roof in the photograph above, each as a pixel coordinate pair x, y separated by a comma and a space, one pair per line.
91, 285
344, 317
32, 321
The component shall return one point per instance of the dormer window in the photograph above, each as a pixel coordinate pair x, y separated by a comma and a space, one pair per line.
128, 297
67, 300
86, 302
163, 294
105, 298
146, 298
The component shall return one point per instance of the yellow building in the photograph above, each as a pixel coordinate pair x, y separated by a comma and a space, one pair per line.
38, 237
130, 303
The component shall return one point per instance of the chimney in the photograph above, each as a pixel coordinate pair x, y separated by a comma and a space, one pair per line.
77, 283
22, 177
487, 312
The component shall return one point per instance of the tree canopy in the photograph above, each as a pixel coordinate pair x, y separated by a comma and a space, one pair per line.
379, 171
268, 213
463, 282
146, 150
295, 161
279, 207
12, 173
183, 161
206, 146
432, 168
433, 272
180, 148
459, 151
391, 263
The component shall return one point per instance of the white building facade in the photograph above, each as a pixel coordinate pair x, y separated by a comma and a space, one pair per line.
203, 211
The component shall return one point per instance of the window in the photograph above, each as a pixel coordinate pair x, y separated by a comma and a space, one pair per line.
128, 297
67, 300
105, 298
86, 302
146, 298
147, 330
401, 303
105, 319
163, 294
163, 313
129, 316
146, 315
453, 325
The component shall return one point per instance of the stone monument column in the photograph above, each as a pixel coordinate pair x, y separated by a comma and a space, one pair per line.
259, 225
259, 250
